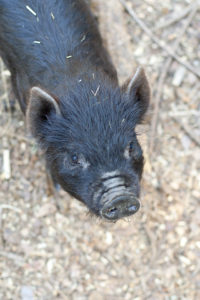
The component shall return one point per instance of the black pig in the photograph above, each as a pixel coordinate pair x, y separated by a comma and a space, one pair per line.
67, 87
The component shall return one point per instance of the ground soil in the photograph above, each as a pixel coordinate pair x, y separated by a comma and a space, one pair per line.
45, 254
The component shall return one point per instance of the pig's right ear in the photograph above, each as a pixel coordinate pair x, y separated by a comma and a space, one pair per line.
138, 91
41, 105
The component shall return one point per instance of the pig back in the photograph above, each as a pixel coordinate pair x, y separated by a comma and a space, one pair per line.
40, 39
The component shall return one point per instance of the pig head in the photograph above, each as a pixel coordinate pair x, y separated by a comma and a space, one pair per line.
90, 142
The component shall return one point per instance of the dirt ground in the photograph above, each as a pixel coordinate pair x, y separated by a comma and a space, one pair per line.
155, 255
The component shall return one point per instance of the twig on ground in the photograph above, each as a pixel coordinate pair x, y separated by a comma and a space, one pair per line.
163, 77
188, 131
19, 260
7, 206
1, 224
4, 85
6, 164
20, 138
181, 113
151, 5
158, 41
175, 19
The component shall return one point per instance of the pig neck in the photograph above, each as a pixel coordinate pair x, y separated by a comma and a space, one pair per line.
58, 78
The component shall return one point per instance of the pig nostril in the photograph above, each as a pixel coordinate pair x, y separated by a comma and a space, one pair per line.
132, 208
111, 210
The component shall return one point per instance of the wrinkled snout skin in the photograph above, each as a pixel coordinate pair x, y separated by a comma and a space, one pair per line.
118, 195
68, 90
114, 195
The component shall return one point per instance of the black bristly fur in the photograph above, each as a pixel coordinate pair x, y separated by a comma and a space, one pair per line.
58, 48
63, 28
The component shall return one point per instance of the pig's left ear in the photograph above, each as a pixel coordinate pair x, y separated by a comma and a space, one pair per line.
41, 106
138, 91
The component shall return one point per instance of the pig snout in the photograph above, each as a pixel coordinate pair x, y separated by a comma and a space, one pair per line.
119, 207
118, 200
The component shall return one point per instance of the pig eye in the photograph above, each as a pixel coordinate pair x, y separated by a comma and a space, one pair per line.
130, 147
75, 159
129, 150
133, 151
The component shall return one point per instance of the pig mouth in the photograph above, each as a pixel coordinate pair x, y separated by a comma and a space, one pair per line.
116, 200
